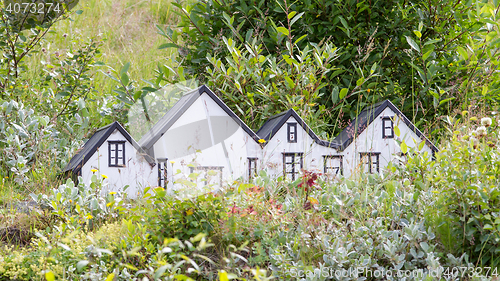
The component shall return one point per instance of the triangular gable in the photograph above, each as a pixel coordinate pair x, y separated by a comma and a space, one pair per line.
274, 124
98, 138
366, 117
169, 119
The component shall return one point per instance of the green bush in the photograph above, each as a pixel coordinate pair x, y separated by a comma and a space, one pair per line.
465, 179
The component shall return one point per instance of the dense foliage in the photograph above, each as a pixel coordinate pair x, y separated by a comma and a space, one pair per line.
428, 57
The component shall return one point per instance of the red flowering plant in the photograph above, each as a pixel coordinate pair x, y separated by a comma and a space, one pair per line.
250, 214
308, 183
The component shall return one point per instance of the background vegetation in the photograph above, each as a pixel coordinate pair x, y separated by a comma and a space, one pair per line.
63, 78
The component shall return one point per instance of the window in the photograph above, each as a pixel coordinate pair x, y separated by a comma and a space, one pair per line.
292, 132
387, 128
252, 167
333, 164
162, 173
292, 164
116, 153
370, 161
209, 173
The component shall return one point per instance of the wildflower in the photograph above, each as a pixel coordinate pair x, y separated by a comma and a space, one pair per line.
44, 50
70, 201
89, 216
484, 190
109, 204
65, 35
93, 170
104, 176
189, 212
368, 90
112, 193
172, 162
481, 131
486, 121
451, 64
262, 141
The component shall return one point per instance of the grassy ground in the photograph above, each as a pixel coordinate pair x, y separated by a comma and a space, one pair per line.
127, 29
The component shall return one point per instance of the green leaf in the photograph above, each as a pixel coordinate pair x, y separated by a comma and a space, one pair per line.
168, 45
79, 12
418, 33
488, 226
421, 146
296, 18
446, 100
50, 276
335, 94
290, 15
125, 68
397, 132
110, 277
412, 43
463, 53
223, 276
283, 30
124, 78
426, 55
343, 93
404, 147
300, 38
360, 81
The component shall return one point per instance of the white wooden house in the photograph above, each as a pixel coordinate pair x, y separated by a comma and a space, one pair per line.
200, 134
113, 155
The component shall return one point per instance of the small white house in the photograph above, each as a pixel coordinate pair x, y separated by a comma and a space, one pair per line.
112, 153
201, 135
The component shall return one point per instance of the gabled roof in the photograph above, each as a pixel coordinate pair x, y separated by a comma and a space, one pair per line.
162, 126
366, 117
98, 138
273, 124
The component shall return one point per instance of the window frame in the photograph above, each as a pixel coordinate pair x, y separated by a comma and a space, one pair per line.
116, 144
162, 170
252, 171
371, 163
339, 169
384, 127
294, 126
206, 169
294, 155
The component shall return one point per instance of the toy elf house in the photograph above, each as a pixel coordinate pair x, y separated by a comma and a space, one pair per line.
201, 134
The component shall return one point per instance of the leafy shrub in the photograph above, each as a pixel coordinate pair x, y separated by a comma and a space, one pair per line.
465, 179
79, 205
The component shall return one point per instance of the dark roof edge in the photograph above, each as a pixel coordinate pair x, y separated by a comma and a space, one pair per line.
292, 113
374, 111
109, 130
217, 100
202, 89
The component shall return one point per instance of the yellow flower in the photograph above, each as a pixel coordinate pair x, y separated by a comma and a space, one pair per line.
89, 216
451, 64
93, 170
172, 161
368, 90
109, 204
104, 176
189, 212
70, 201
484, 190
112, 192
262, 141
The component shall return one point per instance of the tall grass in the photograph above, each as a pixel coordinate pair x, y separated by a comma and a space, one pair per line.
127, 29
